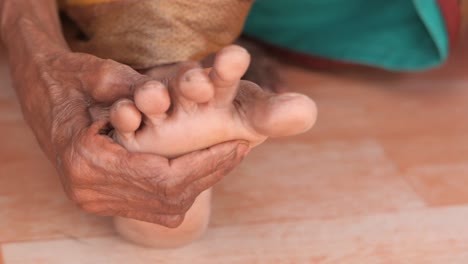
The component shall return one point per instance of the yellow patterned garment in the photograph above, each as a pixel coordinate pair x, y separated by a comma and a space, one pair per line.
83, 2
464, 14
146, 33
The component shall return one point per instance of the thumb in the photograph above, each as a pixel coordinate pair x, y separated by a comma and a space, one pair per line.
107, 80
202, 163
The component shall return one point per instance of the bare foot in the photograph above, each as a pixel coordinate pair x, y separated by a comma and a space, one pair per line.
201, 108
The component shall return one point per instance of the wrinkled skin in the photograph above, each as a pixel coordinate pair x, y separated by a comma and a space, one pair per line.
65, 97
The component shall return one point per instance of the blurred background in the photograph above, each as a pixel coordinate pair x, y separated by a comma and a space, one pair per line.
381, 178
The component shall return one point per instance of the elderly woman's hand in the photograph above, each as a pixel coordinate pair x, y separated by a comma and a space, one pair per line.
101, 176
63, 97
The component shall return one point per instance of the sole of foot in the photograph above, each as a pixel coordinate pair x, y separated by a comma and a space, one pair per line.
194, 110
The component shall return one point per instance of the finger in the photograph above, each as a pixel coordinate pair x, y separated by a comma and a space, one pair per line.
107, 80
168, 220
199, 186
121, 178
143, 170
155, 175
106, 209
171, 221
116, 164
138, 171
218, 160
113, 161
112, 207
133, 198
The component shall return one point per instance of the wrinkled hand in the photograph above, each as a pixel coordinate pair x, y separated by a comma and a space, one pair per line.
99, 175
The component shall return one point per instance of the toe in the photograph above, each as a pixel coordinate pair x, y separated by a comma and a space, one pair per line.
229, 66
125, 118
153, 100
195, 86
190, 87
277, 115
287, 114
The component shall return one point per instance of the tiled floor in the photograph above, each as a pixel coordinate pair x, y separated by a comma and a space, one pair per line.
382, 178
411, 236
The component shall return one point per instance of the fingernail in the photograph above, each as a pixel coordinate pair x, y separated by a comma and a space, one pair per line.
243, 149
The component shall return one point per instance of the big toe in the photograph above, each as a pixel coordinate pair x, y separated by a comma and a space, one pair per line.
278, 115
288, 114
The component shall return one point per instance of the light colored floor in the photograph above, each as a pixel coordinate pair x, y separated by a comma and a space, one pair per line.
382, 178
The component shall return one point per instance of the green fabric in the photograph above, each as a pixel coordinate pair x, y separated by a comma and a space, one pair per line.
396, 35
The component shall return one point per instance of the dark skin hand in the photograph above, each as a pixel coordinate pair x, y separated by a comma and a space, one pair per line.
64, 98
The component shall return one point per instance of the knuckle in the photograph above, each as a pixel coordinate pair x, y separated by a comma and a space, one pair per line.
106, 76
173, 221
183, 203
176, 205
173, 188
222, 162
160, 186
176, 208
185, 207
168, 187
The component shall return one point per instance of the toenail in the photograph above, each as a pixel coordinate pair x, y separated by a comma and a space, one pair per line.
122, 103
231, 50
197, 75
285, 97
236, 48
153, 85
